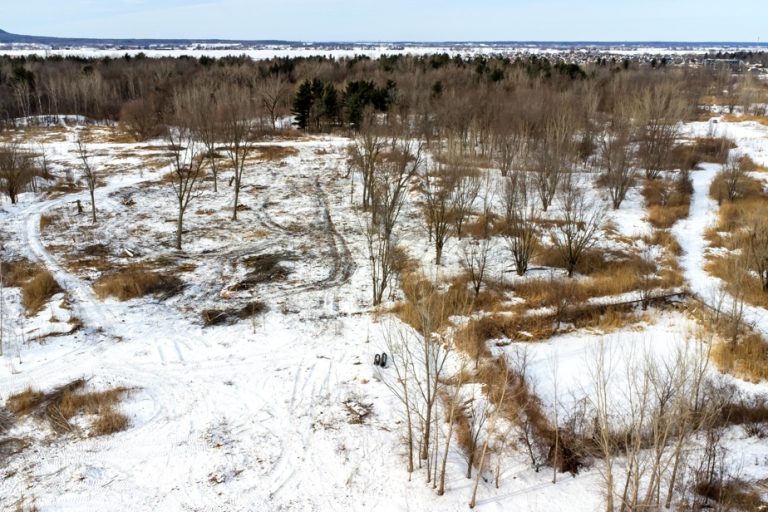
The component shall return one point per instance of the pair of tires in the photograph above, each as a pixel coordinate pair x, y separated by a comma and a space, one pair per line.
380, 359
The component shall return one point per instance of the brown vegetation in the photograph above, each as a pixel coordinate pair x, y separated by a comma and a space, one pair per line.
223, 316
61, 404
703, 149
273, 153
15, 273
136, 281
38, 290
747, 358
667, 200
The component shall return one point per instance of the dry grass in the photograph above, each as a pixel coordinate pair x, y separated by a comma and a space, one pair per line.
750, 165
749, 285
748, 188
63, 403
424, 302
664, 238
665, 216
38, 290
109, 422
24, 402
136, 281
703, 149
106, 134
608, 273
746, 359
15, 273
733, 216
732, 494
274, 153
733, 118
667, 201
45, 221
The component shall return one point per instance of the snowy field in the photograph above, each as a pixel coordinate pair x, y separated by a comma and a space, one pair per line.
374, 50
258, 414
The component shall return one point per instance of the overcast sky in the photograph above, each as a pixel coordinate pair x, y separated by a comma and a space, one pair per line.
392, 20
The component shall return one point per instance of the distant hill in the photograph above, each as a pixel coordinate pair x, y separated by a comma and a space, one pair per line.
63, 42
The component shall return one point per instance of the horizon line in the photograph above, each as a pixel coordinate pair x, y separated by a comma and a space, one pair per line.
392, 41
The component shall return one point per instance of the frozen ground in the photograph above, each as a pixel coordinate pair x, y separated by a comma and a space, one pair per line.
255, 415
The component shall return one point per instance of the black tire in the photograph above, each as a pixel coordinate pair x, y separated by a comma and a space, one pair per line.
384, 360
377, 359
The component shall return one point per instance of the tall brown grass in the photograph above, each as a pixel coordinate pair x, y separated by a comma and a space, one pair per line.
747, 358
38, 290
274, 152
667, 201
63, 403
136, 281
15, 273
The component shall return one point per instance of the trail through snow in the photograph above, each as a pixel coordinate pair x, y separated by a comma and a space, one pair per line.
690, 234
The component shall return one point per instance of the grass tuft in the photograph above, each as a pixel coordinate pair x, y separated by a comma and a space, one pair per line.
38, 290
134, 282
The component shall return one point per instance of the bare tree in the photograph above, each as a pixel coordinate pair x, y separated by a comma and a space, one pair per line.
475, 411
274, 91
578, 228
89, 174
16, 169
522, 217
552, 158
733, 175
366, 153
756, 247
659, 108
474, 260
237, 120
399, 345
204, 113
617, 159
500, 384
463, 196
390, 185
452, 410
186, 172
437, 190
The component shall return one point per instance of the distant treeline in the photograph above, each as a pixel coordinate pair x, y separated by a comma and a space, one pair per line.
422, 93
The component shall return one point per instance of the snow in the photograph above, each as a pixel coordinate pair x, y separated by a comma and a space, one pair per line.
251, 416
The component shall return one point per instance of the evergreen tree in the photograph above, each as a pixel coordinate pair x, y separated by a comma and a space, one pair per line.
302, 105
330, 105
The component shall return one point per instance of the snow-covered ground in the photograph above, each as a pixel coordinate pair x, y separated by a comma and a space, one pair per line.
252, 416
